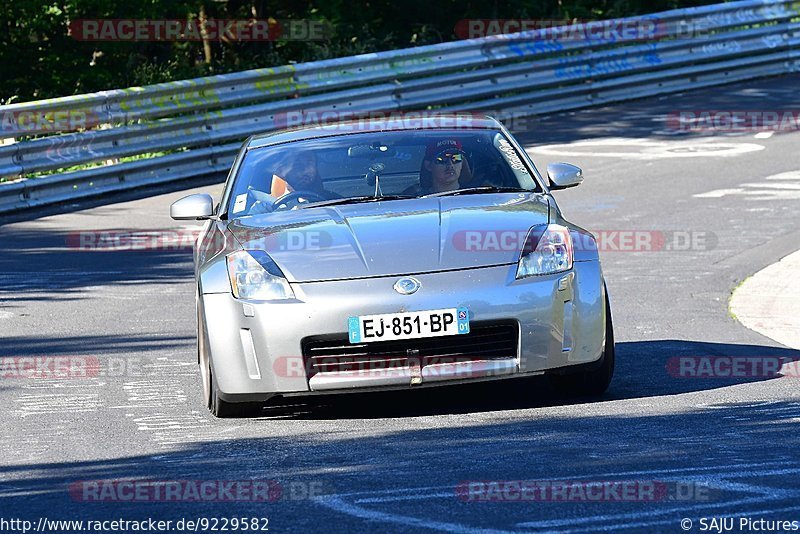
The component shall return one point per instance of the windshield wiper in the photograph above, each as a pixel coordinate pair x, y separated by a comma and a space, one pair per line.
353, 200
479, 190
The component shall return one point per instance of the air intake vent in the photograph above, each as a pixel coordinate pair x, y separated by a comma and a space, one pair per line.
486, 341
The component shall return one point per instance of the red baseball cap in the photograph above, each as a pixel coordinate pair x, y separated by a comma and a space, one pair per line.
442, 145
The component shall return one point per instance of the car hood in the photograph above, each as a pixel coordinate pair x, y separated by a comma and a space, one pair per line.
394, 237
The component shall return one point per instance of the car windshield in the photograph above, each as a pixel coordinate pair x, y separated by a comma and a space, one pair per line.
360, 167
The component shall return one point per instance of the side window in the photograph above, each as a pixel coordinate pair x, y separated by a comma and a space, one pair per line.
488, 169
513, 162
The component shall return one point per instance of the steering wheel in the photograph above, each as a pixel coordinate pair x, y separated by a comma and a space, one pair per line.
292, 199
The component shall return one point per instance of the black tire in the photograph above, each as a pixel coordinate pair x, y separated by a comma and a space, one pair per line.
595, 382
217, 406
223, 409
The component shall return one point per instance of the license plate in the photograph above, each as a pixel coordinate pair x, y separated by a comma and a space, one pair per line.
411, 325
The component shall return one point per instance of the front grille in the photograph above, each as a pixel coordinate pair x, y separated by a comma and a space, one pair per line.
486, 341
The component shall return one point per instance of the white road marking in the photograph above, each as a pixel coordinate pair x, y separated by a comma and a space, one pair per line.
646, 150
410, 497
673, 133
791, 175
719, 193
710, 481
654, 472
335, 503
157, 384
783, 186
764, 135
769, 303
720, 477
772, 195
636, 515
57, 403
773, 186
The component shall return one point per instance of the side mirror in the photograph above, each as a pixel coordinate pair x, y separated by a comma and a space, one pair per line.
192, 208
564, 175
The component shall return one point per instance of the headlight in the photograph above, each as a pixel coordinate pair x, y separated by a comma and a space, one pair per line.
254, 275
547, 250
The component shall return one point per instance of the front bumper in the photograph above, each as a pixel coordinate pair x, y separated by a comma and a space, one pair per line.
255, 347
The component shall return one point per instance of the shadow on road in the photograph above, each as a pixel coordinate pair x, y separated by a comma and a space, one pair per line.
96, 346
43, 264
644, 369
735, 438
658, 118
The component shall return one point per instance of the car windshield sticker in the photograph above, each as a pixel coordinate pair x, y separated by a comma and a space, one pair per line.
240, 204
510, 154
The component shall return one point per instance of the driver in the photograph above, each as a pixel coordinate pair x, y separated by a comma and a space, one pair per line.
297, 172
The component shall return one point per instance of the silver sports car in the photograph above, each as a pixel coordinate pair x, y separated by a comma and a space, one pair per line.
363, 255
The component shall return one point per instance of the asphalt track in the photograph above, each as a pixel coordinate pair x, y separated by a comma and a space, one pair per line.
716, 447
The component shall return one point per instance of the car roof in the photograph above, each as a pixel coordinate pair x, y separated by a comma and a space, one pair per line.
409, 121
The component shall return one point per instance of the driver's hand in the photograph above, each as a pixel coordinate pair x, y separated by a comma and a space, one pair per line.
259, 207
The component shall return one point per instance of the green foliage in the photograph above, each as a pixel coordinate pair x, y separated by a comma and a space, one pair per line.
39, 59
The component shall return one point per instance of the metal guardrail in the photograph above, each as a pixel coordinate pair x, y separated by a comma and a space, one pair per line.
200, 123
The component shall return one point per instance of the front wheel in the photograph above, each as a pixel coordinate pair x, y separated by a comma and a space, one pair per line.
217, 406
223, 409
595, 382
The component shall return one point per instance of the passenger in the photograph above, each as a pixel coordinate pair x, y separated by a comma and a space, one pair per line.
445, 168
